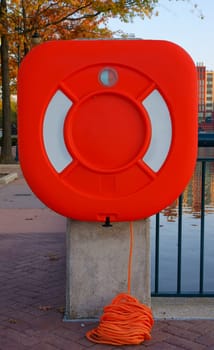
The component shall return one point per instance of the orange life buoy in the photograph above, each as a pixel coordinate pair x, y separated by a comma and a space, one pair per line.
107, 129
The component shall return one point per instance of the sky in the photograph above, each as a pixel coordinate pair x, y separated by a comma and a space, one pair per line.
181, 23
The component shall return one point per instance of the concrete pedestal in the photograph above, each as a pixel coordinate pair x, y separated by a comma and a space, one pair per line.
97, 265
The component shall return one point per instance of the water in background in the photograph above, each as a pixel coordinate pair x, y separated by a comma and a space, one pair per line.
191, 222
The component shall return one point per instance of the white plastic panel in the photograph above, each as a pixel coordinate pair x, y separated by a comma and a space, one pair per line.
53, 131
161, 127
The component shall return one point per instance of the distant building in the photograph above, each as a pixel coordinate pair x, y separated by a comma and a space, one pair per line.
209, 92
205, 98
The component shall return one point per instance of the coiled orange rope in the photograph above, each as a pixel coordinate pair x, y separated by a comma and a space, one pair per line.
125, 321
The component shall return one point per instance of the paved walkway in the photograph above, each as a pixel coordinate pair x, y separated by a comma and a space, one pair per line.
32, 285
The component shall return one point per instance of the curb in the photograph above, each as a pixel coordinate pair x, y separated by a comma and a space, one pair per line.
6, 178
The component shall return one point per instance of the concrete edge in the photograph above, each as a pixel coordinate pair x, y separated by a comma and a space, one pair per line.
169, 309
183, 308
183, 318
8, 178
76, 320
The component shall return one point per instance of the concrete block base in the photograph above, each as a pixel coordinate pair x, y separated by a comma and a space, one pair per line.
97, 265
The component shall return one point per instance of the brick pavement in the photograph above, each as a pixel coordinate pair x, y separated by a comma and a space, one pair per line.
32, 290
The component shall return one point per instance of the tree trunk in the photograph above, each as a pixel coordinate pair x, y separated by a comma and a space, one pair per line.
6, 149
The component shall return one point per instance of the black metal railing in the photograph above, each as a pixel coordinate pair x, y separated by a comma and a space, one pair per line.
160, 276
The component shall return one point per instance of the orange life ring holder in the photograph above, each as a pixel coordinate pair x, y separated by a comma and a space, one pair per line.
107, 129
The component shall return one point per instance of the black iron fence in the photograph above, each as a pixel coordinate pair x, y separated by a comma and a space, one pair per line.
182, 239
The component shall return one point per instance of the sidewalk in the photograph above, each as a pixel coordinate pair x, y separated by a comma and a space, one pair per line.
32, 284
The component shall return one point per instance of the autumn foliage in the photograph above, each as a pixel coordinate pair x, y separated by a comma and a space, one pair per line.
20, 20
54, 20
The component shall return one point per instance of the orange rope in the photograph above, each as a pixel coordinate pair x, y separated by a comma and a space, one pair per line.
125, 321
130, 256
